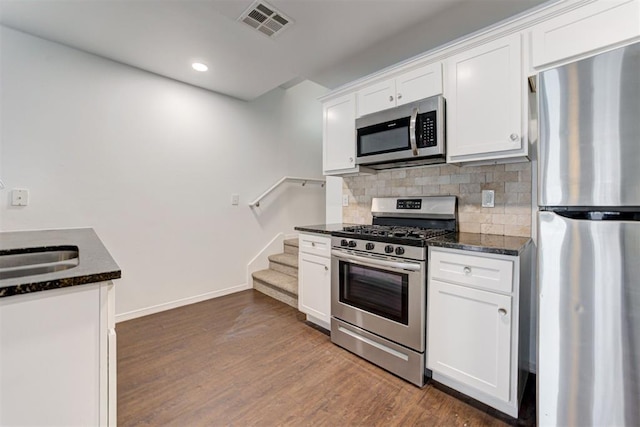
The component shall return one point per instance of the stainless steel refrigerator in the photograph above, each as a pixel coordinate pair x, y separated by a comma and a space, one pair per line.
589, 241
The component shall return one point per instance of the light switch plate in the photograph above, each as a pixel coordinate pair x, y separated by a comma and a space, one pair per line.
345, 200
488, 198
235, 199
19, 197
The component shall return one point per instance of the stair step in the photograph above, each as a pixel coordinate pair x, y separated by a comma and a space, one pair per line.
280, 281
291, 246
280, 286
284, 263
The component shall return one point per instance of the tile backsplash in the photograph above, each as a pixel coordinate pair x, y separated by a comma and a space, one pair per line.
511, 183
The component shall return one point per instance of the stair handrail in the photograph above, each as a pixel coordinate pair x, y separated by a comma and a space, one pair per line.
303, 181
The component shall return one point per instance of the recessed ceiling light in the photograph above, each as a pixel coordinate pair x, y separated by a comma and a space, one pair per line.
199, 66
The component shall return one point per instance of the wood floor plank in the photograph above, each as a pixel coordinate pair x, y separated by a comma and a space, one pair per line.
248, 360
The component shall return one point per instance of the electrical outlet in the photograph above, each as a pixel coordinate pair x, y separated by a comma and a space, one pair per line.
345, 200
488, 198
235, 199
19, 197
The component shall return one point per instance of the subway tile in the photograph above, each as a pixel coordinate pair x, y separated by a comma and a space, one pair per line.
517, 166
505, 177
478, 177
517, 230
498, 187
431, 171
414, 191
524, 198
450, 169
430, 190
450, 189
518, 187
492, 228
470, 188
468, 227
524, 176
461, 179
398, 174
478, 218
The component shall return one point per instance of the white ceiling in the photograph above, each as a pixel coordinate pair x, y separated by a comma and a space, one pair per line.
330, 42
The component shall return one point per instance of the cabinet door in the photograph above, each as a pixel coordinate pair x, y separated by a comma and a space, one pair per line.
469, 337
377, 97
484, 99
594, 26
419, 83
50, 353
339, 134
315, 286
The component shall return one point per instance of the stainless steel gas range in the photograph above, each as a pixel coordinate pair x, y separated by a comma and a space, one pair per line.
379, 282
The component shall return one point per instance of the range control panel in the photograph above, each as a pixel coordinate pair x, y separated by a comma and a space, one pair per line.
409, 204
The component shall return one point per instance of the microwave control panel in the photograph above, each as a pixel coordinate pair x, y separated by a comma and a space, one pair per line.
426, 132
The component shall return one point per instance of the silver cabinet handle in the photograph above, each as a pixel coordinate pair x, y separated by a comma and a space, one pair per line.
502, 311
399, 96
412, 131
514, 136
390, 98
467, 271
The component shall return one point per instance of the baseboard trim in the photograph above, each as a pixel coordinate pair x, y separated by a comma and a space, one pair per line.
179, 303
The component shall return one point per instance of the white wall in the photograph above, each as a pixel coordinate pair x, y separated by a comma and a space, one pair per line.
151, 164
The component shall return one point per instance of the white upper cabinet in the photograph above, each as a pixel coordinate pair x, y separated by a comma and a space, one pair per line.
410, 86
484, 93
585, 30
339, 135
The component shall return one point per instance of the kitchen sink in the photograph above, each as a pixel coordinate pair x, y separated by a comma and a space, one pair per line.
35, 261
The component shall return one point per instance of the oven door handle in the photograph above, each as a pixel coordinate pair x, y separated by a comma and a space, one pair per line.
377, 262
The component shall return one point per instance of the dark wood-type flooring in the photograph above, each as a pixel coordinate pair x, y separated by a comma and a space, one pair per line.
248, 360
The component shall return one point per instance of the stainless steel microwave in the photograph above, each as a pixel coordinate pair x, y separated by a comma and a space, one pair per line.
409, 135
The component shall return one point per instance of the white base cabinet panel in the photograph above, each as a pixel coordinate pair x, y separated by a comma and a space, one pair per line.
478, 326
467, 319
55, 357
314, 278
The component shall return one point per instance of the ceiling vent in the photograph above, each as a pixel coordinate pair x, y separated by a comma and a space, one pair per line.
266, 19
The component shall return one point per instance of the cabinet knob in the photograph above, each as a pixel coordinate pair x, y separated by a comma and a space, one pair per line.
467, 271
390, 98
313, 244
399, 96
513, 136
502, 311
350, 159
326, 268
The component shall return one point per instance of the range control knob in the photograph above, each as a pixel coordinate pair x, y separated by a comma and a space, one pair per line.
399, 251
344, 242
370, 246
388, 249
352, 243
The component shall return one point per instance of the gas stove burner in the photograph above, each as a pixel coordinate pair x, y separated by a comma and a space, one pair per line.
395, 231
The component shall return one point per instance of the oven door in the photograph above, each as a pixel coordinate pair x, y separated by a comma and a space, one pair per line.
384, 296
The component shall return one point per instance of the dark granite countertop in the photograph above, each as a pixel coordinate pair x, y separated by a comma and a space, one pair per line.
322, 228
95, 262
487, 243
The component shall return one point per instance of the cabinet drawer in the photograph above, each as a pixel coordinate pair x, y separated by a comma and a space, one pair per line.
587, 29
478, 271
315, 245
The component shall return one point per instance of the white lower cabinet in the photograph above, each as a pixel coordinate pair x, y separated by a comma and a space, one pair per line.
473, 321
314, 278
57, 357
478, 333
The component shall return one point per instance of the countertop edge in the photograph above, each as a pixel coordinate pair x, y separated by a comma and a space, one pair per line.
66, 282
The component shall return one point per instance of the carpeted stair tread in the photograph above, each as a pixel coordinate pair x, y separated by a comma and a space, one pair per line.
286, 259
292, 242
280, 281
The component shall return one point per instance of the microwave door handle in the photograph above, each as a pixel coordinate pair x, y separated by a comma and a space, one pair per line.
412, 131
376, 262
